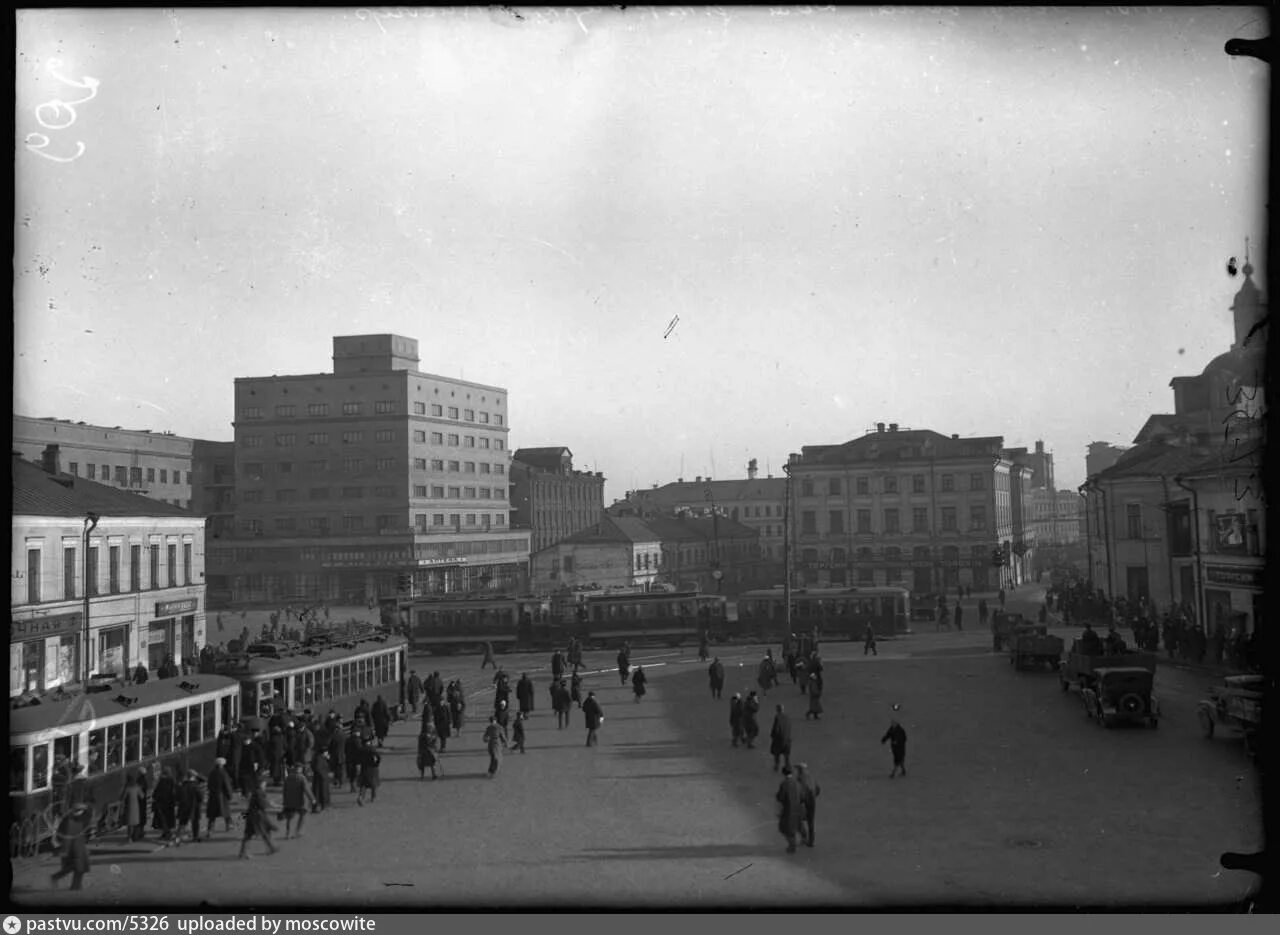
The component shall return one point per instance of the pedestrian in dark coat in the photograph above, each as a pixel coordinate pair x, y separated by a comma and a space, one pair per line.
257, 820
501, 688
897, 738
457, 707
624, 665
320, 780
495, 739
716, 673
594, 717
444, 726
381, 715
788, 798
140, 675
276, 750
524, 694
704, 647
337, 754
191, 796
234, 756
517, 732
766, 675
638, 680
780, 739
809, 792
297, 799
561, 703
557, 665
502, 714
253, 760
133, 808
488, 656
413, 690
370, 775
959, 614
164, 805
73, 832
983, 613
815, 698
434, 687
354, 749
428, 741
575, 689
750, 722
869, 641
735, 718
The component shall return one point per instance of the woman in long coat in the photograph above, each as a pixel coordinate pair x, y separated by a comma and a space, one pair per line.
789, 815
624, 665
74, 832
444, 725
750, 722
257, 819
164, 802
134, 808
381, 719
320, 779
354, 755
370, 776
219, 804
638, 679
815, 697
457, 707
427, 759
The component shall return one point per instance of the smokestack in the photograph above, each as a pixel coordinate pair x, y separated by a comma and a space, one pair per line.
751, 469
893, 426
879, 426
50, 460
1039, 448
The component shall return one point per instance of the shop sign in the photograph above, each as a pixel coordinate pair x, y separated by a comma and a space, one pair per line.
40, 627
173, 608
1233, 575
427, 562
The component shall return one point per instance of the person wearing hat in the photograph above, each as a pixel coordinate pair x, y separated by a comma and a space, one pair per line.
561, 703
73, 831
789, 815
735, 718
815, 697
413, 690
428, 743
780, 739
133, 807
897, 738
495, 740
218, 789
809, 791
638, 680
370, 773
524, 694
257, 818
517, 732
750, 719
594, 716
190, 804
715, 672
296, 798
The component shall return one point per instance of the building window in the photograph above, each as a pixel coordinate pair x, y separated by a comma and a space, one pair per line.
469, 415
468, 467
384, 407
808, 521
455, 493
420, 522
977, 517
833, 487
385, 522
471, 519
861, 485
151, 475
135, 475
437, 519
251, 412
484, 443
864, 521
351, 409
455, 520
253, 441
497, 419
318, 493
286, 440
352, 437
154, 550
948, 482
286, 496
1133, 520
164, 475
186, 563
453, 412
469, 493
419, 409
421, 437
498, 444
499, 469
383, 491
437, 410
69, 573
469, 441
353, 465
454, 467
419, 464
113, 569
453, 441
948, 519
172, 565
384, 435
499, 519
891, 520
93, 471
251, 496
318, 467
385, 464
352, 493
917, 483
135, 568
253, 470
484, 469
484, 418
317, 409
920, 519
890, 484
835, 521
286, 412
977, 482
437, 492
437, 464
350, 522
317, 438
806, 488
420, 490
91, 571
284, 467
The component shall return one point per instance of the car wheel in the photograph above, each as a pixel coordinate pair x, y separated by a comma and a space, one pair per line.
1206, 723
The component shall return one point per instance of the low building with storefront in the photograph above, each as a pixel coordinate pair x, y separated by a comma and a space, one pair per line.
615, 552
97, 598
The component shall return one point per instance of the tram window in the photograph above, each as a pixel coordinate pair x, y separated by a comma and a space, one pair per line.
207, 721
97, 743
39, 766
166, 733
328, 683
194, 725
133, 741
297, 692
115, 746
179, 728
148, 737
17, 769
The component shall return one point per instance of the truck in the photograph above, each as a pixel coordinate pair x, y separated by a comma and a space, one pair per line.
1002, 626
1031, 644
1114, 687
1235, 705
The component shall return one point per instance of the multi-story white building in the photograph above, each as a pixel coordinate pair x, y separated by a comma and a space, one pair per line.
102, 579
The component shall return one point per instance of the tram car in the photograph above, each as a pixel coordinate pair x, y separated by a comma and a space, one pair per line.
835, 613
669, 618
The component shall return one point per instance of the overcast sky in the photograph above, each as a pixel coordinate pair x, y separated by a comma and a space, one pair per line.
680, 239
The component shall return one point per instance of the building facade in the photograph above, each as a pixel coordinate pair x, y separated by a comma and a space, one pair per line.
348, 481
714, 555
550, 498
138, 572
913, 508
614, 552
154, 464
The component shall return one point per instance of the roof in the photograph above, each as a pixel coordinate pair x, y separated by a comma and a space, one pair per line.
698, 529
1155, 459
55, 711
622, 529
900, 445
39, 493
721, 492
542, 457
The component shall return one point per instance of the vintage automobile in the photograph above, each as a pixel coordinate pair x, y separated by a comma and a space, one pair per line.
1002, 627
1078, 670
1121, 693
1237, 705
1031, 644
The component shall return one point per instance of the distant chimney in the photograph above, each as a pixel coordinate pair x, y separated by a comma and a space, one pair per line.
698, 479
955, 436
751, 469
50, 460
679, 480
893, 426
879, 426
1039, 448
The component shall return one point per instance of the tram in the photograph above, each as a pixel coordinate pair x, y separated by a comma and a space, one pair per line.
450, 624
837, 613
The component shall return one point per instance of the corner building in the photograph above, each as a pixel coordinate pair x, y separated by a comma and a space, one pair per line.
913, 508
349, 484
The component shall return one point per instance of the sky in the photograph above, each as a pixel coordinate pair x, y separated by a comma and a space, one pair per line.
682, 238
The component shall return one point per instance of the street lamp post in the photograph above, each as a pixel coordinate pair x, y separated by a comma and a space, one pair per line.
90, 524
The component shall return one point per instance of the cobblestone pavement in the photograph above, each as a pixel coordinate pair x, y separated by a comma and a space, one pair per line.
1012, 797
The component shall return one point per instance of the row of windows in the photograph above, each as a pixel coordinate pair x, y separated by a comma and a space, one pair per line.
380, 492
892, 520
127, 475
455, 441
355, 522
381, 407
341, 679
257, 470
948, 554
889, 484
71, 570
380, 436
459, 493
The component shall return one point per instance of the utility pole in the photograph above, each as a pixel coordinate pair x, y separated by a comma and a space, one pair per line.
90, 524
786, 551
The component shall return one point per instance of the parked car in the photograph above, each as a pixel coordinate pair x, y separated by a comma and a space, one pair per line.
1235, 705
1122, 693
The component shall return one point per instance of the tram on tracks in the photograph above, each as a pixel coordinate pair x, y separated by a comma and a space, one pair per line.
836, 613
80, 746
596, 618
